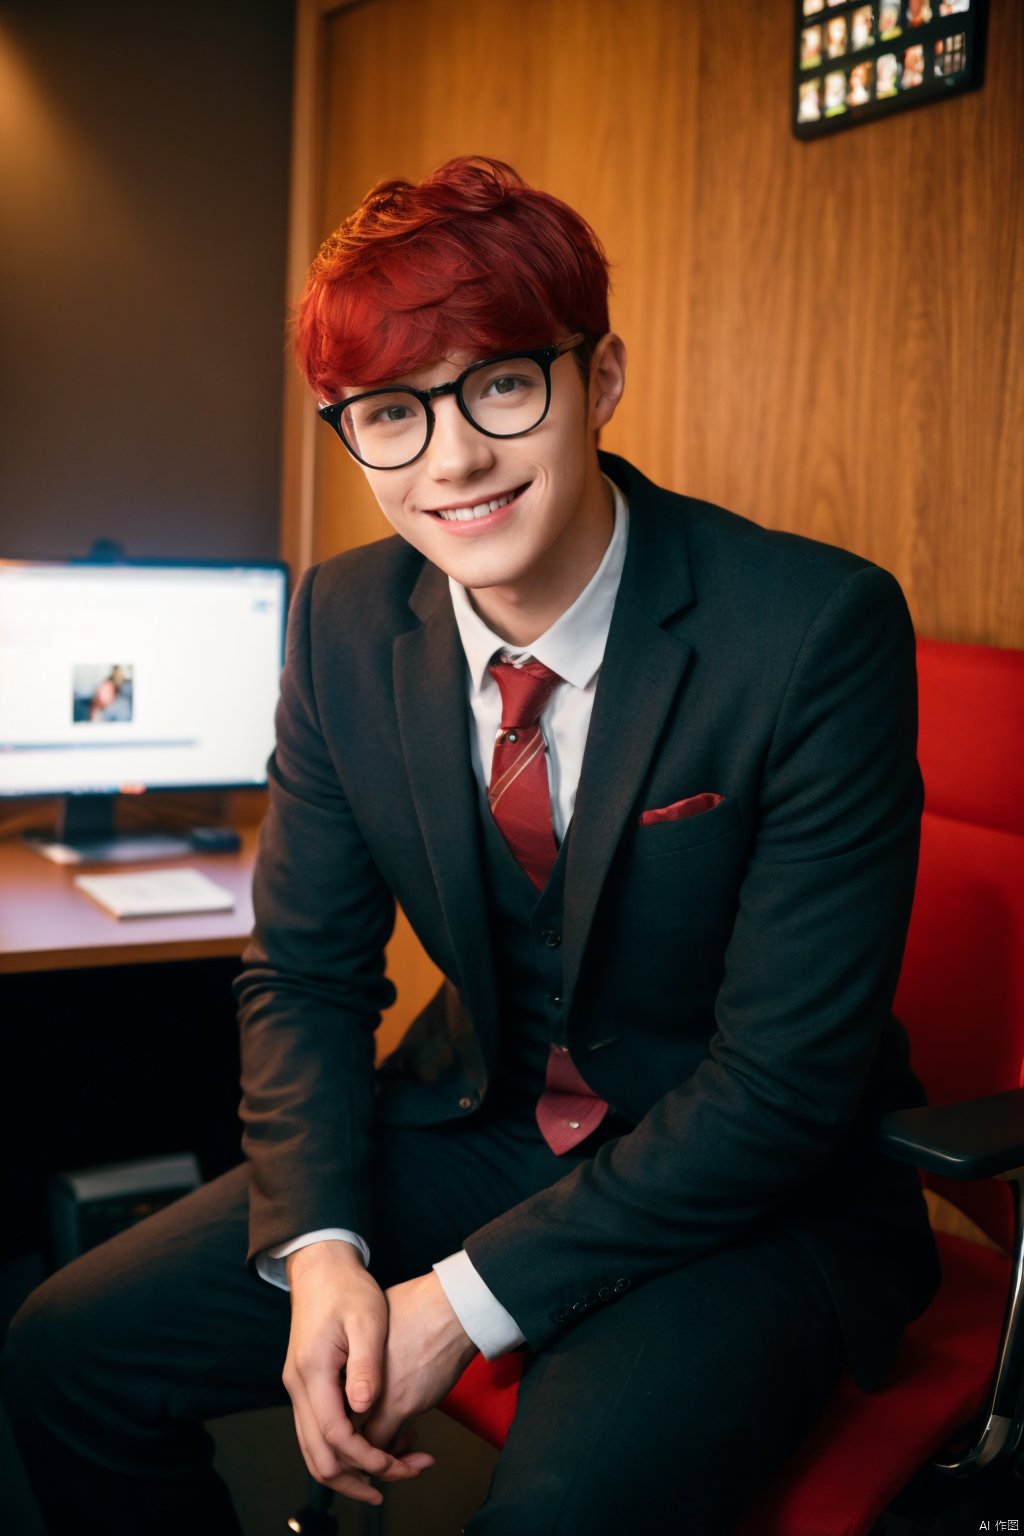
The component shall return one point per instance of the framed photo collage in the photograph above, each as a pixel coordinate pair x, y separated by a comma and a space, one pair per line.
855, 61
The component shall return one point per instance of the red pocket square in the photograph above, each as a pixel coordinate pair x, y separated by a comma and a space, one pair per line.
694, 806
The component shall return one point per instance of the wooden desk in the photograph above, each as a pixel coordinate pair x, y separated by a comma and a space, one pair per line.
48, 924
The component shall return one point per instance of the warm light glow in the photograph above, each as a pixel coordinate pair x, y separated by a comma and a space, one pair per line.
46, 162
30, 136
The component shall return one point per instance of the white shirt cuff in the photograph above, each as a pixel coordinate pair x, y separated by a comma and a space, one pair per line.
493, 1330
270, 1263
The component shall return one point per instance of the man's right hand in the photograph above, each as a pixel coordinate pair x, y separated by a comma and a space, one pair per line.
339, 1323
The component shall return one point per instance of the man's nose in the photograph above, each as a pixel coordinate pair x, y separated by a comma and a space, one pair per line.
456, 449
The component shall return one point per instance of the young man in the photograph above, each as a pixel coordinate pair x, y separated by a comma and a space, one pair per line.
641, 774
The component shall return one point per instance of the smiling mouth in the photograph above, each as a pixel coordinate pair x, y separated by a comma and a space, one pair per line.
479, 509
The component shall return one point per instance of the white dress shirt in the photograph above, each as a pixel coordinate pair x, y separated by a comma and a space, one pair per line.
573, 648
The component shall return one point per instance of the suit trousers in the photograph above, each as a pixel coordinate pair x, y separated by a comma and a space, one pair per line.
665, 1410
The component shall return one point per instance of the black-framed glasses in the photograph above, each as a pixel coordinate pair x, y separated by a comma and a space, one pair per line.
504, 396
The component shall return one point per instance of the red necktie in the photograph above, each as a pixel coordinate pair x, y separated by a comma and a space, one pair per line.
520, 801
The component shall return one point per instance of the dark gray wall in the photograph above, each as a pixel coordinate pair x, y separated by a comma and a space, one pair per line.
143, 215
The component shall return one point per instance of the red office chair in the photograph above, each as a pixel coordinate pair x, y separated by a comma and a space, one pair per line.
961, 996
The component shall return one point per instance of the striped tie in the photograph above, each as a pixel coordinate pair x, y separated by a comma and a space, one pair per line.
519, 797
520, 802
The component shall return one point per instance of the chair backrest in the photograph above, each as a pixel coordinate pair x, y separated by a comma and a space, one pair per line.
961, 991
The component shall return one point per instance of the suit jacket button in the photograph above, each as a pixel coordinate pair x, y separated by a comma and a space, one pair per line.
620, 1286
605, 1293
561, 1316
551, 937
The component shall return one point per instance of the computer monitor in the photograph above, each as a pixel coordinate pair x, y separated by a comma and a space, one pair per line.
119, 678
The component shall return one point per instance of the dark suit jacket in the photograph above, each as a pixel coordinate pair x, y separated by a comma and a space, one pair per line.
728, 977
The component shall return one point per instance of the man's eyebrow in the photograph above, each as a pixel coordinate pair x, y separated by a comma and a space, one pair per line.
349, 391
364, 389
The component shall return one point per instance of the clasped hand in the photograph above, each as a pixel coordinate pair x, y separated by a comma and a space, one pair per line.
401, 1351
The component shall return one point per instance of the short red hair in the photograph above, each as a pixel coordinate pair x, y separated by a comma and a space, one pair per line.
470, 257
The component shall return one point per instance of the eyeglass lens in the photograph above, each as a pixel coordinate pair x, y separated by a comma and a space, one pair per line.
390, 427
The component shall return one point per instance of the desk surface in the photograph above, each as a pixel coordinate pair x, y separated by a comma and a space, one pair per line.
48, 924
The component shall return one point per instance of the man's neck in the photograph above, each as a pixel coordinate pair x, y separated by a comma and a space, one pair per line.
522, 613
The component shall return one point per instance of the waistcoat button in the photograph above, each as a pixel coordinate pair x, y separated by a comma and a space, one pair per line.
551, 937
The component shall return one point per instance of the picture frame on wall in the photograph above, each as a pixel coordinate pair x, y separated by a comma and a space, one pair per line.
855, 60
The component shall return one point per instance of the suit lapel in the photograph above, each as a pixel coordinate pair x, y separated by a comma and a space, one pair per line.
642, 671
432, 709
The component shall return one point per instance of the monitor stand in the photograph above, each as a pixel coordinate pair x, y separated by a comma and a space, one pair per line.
85, 834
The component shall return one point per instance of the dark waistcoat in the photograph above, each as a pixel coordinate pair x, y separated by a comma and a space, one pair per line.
526, 938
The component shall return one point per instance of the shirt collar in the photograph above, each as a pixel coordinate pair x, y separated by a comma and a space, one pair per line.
574, 645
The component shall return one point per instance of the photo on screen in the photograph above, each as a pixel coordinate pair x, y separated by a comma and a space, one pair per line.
101, 692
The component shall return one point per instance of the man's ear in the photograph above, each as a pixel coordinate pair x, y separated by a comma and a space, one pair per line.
607, 379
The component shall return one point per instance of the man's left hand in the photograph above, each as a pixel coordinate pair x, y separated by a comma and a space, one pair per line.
427, 1351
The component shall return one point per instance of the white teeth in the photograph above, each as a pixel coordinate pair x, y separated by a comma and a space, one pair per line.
482, 509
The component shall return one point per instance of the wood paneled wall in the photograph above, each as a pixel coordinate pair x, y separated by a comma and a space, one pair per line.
825, 336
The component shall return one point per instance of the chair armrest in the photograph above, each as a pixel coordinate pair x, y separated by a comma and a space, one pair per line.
976, 1139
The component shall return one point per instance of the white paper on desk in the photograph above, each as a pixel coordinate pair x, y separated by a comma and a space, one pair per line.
156, 892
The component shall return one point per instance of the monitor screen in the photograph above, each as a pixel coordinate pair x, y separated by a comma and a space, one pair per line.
134, 676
